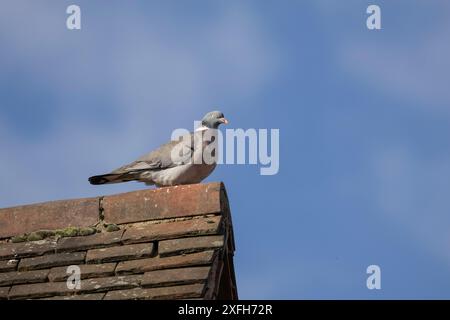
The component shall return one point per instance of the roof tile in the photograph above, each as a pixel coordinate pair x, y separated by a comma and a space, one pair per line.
87, 271
10, 278
104, 239
26, 249
157, 263
110, 283
162, 203
54, 260
48, 215
177, 276
169, 230
39, 290
188, 245
173, 292
133, 251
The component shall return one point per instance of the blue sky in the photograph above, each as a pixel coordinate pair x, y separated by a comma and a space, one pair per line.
364, 123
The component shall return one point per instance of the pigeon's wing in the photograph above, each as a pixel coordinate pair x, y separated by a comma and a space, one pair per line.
169, 155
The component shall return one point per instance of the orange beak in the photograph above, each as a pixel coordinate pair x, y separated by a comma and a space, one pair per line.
223, 120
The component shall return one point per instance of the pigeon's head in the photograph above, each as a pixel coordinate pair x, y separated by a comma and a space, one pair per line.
213, 119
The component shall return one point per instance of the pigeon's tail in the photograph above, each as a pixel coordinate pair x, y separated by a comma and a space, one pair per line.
111, 178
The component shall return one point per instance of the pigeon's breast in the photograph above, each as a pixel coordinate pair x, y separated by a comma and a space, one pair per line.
183, 174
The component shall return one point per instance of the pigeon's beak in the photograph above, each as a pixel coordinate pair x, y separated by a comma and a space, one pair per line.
223, 120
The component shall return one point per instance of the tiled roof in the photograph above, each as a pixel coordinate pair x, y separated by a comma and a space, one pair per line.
167, 243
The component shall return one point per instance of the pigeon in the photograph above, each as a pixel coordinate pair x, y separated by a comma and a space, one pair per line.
177, 162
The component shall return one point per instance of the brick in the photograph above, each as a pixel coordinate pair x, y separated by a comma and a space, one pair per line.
87, 271
10, 278
26, 249
170, 230
188, 245
173, 292
49, 215
134, 251
4, 293
52, 260
157, 263
161, 203
8, 265
104, 239
49, 289
89, 296
177, 276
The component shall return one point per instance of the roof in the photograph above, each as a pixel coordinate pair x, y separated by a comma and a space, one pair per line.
167, 243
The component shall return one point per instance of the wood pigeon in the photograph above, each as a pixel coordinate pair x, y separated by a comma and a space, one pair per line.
174, 163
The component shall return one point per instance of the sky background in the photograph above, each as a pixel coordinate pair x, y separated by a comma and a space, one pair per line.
364, 119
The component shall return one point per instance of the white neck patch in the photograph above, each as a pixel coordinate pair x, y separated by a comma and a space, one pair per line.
202, 128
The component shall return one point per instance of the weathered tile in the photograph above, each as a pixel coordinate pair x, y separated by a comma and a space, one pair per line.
104, 239
26, 249
87, 271
177, 276
187, 245
37, 290
14, 277
173, 292
52, 260
110, 283
134, 251
157, 263
49, 216
171, 202
175, 229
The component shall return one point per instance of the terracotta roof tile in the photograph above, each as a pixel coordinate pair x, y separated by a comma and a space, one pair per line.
87, 271
128, 252
157, 263
160, 278
173, 292
10, 278
110, 283
98, 240
50, 215
26, 249
191, 227
173, 243
188, 245
38, 290
54, 260
162, 203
